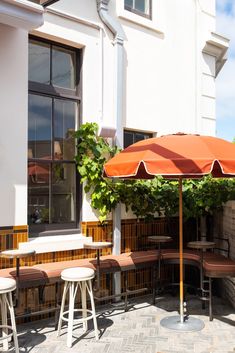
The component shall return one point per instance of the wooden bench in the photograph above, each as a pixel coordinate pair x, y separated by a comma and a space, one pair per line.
214, 266
41, 275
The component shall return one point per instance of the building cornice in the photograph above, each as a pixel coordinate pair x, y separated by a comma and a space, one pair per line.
217, 46
21, 14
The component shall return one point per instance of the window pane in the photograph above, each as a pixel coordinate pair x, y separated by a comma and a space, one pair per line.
39, 127
63, 67
131, 137
140, 136
38, 192
129, 3
64, 126
128, 138
63, 193
140, 5
39, 62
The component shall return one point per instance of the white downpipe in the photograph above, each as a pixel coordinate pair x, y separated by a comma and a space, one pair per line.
101, 90
119, 36
198, 122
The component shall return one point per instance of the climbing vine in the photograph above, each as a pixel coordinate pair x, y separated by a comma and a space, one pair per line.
146, 198
92, 152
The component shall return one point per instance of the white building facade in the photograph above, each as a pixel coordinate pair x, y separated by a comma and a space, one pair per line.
142, 68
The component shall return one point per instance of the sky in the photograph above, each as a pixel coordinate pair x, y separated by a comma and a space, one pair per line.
225, 81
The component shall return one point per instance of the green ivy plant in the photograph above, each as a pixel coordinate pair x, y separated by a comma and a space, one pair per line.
146, 198
92, 152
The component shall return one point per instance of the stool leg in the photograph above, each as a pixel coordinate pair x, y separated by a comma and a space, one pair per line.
154, 283
13, 323
89, 289
126, 290
84, 304
3, 303
210, 299
57, 312
72, 293
62, 308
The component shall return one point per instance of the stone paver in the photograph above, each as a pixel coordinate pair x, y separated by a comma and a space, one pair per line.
138, 331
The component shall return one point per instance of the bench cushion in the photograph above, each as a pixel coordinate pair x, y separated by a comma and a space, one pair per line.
215, 265
29, 276
173, 254
133, 260
52, 270
108, 264
218, 266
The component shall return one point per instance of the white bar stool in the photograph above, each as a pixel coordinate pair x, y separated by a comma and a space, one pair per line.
7, 286
74, 277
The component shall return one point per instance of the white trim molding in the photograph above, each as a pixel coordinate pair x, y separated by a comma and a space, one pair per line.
217, 46
21, 14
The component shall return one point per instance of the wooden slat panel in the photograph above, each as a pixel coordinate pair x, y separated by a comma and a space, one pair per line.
134, 237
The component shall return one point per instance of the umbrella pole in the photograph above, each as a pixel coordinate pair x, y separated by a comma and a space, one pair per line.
179, 322
181, 251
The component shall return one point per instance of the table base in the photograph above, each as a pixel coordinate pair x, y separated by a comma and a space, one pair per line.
189, 325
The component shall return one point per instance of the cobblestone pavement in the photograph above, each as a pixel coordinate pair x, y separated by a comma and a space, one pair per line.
138, 331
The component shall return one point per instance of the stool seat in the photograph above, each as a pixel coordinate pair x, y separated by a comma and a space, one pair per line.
77, 278
8, 327
7, 285
77, 274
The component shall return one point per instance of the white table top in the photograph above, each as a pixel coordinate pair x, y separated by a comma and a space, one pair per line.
201, 244
16, 253
159, 238
97, 245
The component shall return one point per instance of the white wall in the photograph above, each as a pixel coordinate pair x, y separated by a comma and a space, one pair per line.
163, 62
13, 132
164, 67
166, 86
169, 83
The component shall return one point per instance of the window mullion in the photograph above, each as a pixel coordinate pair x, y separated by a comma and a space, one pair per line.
50, 64
52, 155
50, 193
52, 143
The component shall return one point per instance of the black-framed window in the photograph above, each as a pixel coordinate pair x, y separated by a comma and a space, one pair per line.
131, 137
53, 116
44, 2
139, 7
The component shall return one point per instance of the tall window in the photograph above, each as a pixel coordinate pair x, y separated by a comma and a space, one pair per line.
53, 117
131, 137
140, 7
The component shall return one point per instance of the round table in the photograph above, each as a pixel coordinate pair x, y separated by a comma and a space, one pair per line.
17, 254
98, 245
158, 239
201, 245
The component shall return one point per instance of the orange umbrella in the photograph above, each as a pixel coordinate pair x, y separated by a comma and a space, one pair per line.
175, 156
38, 170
